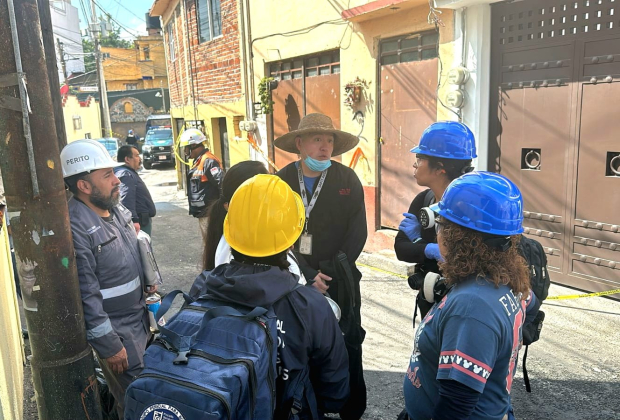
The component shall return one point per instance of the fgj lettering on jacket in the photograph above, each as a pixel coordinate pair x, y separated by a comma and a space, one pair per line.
509, 300
280, 326
93, 230
282, 371
77, 159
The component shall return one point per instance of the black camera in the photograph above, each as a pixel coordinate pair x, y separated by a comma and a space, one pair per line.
432, 286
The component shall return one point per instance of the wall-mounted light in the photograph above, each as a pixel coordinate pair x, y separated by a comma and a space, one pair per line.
77, 122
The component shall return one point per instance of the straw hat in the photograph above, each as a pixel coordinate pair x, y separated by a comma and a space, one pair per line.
317, 123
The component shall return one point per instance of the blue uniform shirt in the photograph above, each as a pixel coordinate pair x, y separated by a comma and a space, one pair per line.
472, 336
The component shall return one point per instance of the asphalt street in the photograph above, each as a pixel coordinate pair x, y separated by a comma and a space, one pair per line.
574, 368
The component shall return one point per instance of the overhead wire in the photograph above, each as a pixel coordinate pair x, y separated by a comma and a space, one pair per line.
135, 35
132, 13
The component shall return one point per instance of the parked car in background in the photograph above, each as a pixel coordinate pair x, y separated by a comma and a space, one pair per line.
158, 147
111, 144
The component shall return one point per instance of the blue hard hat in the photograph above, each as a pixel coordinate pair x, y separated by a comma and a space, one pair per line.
448, 140
483, 201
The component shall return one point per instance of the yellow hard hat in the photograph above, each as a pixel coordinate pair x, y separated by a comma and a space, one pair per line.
265, 217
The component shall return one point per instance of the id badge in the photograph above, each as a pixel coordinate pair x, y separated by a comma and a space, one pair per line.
305, 244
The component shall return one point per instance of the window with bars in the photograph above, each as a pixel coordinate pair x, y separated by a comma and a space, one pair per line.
409, 48
209, 19
319, 65
131, 86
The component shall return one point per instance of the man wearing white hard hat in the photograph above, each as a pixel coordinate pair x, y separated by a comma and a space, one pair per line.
108, 264
204, 179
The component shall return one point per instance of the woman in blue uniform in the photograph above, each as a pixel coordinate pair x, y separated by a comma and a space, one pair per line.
466, 348
445, 152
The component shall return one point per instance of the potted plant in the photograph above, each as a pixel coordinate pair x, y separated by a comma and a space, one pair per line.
353, 91
266, 85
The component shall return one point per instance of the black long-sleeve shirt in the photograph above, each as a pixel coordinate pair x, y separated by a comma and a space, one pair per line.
411, 252
134, 193
338, 219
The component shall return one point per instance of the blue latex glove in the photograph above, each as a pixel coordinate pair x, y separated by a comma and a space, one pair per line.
410, 227
432, 252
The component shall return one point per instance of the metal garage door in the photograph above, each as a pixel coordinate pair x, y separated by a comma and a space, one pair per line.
554, 129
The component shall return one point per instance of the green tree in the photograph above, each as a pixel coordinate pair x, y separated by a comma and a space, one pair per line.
112, 40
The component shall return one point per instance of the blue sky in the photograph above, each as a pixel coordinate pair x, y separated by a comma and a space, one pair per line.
129, 14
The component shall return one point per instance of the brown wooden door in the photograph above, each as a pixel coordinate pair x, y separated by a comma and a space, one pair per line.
408, 107
287, 112
306, 85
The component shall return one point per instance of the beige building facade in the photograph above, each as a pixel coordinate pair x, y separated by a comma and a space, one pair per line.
375, 67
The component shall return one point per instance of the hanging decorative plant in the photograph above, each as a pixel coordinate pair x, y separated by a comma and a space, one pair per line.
353, 91
266, 85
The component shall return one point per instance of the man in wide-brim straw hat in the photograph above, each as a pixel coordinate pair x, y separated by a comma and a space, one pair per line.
335, 230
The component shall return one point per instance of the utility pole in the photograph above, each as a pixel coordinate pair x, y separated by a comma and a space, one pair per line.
62, 362
95, 30
61, 53
163, 96
47, 31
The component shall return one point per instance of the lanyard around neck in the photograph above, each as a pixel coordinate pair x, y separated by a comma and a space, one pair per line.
304, 193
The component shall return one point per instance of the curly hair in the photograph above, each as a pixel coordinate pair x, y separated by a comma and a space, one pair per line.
467, 255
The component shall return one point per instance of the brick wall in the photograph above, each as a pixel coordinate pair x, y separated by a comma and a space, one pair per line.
215, 64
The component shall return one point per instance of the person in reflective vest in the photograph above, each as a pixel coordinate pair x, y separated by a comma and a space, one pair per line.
204, 179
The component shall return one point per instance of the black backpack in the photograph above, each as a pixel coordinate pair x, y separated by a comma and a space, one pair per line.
536, 259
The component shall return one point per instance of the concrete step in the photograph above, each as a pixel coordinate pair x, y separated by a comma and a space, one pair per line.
386, 260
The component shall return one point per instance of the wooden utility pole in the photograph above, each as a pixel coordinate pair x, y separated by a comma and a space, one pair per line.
95, 30
62, 361
61, 53
47, 31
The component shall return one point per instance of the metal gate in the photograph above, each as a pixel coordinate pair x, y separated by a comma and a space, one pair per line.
306, 85
408, 77
554, 129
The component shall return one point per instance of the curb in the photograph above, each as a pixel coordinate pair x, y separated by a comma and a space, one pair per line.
386, 263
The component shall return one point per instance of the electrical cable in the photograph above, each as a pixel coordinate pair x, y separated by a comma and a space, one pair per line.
68, 30
132, 13
458, 114
68, 40
298, 31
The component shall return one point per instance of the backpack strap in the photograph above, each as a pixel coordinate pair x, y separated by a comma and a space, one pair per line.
184, 343
166, 302
428, 198
526, 377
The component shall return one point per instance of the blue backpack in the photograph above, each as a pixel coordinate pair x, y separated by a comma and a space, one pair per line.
210, 361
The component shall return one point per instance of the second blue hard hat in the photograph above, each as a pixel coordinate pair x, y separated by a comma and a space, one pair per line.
483, 201
448, 140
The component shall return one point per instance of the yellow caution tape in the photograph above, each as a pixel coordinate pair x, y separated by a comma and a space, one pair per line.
585, 295
383, 271
564, 297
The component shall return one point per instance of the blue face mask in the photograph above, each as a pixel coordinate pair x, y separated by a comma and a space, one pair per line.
317, 165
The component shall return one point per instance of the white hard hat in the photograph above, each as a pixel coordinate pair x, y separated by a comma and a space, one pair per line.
191, 136
85, 156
